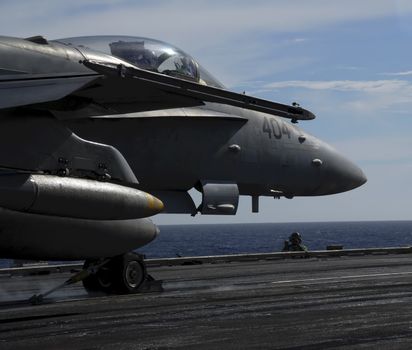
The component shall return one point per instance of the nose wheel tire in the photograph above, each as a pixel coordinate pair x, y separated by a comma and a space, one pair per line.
131, 273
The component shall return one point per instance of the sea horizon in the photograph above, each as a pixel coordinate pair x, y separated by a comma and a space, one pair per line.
287, 222
242, 238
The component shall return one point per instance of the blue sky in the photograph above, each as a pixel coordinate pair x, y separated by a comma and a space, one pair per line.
350, 62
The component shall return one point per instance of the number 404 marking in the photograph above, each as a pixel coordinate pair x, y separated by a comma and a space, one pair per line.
272, 126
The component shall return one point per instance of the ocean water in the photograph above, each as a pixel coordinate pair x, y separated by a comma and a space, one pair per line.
195, 240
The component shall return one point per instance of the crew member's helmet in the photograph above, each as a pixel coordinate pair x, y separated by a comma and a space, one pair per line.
295, 237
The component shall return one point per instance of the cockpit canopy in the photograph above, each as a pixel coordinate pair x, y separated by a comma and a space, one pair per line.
148, 54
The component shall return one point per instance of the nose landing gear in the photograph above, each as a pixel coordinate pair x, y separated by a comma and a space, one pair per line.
123, 274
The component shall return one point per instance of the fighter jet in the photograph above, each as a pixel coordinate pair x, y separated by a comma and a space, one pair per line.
100, 133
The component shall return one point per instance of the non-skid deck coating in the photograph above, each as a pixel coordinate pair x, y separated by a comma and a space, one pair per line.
331, 303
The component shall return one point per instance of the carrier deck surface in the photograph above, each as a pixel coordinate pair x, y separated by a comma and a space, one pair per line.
336, 302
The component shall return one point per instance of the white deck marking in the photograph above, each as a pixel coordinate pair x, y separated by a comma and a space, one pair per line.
344, 277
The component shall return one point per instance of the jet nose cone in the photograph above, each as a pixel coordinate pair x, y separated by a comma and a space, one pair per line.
353, 176
362, 179
338, 174
347, 175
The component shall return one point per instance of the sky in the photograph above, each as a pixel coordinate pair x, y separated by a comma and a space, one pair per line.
349, 62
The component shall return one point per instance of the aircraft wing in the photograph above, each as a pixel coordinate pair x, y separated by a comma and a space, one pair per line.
39, 88
139, 80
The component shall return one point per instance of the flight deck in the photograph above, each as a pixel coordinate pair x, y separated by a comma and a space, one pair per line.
354, 299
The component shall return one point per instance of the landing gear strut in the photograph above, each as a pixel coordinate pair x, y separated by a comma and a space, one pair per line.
123, 274
120, 275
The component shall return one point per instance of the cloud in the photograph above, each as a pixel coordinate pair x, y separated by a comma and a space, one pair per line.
361, 97
399, 74
349, 68
181, 20
222, 33
297, 40
370, 86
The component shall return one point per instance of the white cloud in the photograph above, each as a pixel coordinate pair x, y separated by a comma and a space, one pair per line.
370, 86
349, 68
297, 40
399, 74
184, 21
363, 97
237, 29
